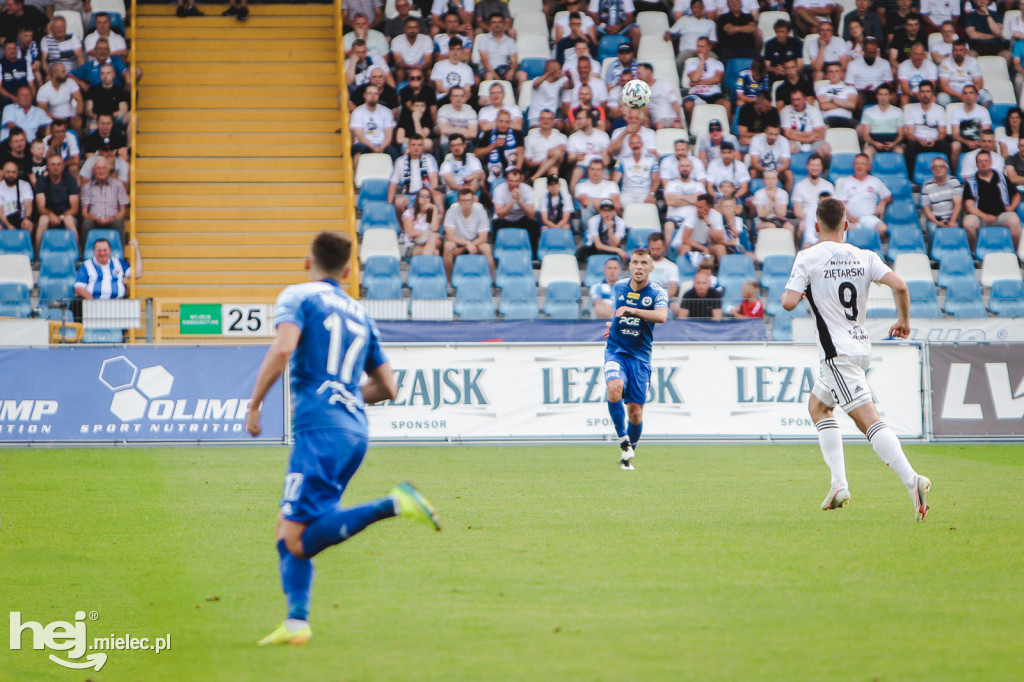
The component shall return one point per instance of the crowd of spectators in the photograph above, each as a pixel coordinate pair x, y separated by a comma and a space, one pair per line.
904, 77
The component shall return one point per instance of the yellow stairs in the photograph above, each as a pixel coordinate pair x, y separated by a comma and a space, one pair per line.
239, 154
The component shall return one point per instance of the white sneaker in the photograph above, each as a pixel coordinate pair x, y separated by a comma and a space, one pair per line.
627, 454
922, 486
626, 465
836, 498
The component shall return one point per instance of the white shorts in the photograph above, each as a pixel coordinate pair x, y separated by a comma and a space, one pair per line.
843, 381
868, 221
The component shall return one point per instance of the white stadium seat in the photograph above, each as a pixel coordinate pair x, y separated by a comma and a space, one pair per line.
525, 95
843, 140
703, 114
685, 79
1008, 20
655, 47
773, 241
666, 139
766, 23
775, 87
606, 64
390, 12
997, 266
16, 269
115, 6
914, 267
880, 296
517, 6
373, 166
665, 70
652, 23
558, 267
933, 40
379, 241
533, 47
952, 108
641, 215
484, 91
530, 23
1002, 92
993, 69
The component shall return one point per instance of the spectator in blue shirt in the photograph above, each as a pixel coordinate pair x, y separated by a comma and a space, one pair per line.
88, 74
23, 114
105, 277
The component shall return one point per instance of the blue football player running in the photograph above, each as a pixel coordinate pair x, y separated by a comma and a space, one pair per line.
334, 343
640, 304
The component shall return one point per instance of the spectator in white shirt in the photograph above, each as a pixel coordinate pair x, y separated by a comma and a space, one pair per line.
804, 127
467, 229
865, 196
868, 72
373, 127
514, 207
590, 191
566, 47
925, 125
563, 25
806, 195
452, 27
411, 49
637, 174
681, 198
376, 42
586, 145
705, 77
462, 9
664, 108
412, 172
602, 294
669, 169
881, 129
496, 103
826, 49
914, 71
935, 13
957, 71
665, 273
771, 203
546, 91
944, 48
584, 76
452, 72
457, 117
969, 161
460, 169
545, 148
498, 57
729, 169
554, 206
117, 44
689, 28
704, 236
769, 151
808, 15
604, 234
836, 100
619, 147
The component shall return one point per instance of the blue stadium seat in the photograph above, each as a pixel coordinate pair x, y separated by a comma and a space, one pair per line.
686, 268
1007, 298
923, 166
58, 265
379, 214
562, 301
782, 322
773, 300
636, 238
865, 238
956, 265
924, 300
519, 299
58, 293
112, 236
841, 167
736, 265
473, 300
798, 164
426, 277
994, 239
775, 271
888, 163
899, 186
733, 68
57, 240
902, 214
556, 240
382, 278
372, 190
511, 239
514, 264
882, 313
905, 239
533, 66
15, 300
963, 299
755, 184
471, 266
997, 111
116, 22
16, 242
947, 241
595, 269
609, 46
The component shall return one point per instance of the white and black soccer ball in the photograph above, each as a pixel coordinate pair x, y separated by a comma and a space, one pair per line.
636, 94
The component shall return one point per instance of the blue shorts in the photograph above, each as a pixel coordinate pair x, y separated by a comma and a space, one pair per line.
634, 373
321, 464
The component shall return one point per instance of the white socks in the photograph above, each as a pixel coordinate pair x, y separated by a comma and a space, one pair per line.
831, 442
888, 448
294, 624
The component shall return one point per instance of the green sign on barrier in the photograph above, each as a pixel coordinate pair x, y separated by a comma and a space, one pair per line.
200, 318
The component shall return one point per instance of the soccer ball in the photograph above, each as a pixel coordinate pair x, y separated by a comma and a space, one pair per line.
636, 94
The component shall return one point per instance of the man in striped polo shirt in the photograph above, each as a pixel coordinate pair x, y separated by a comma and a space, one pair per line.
104, 277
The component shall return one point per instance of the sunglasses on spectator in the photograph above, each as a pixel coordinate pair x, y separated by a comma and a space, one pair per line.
415, 78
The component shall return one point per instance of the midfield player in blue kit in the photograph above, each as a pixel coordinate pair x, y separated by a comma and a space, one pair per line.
639, 305
332, 343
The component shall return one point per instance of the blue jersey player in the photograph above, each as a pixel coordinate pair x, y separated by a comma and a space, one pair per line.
639, 305
331, 343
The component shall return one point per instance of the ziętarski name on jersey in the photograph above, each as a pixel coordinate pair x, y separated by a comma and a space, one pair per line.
843, 266
843, 273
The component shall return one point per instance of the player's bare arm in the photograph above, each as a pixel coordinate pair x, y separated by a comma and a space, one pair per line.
901, 293
381, 385
791, 299
274, 362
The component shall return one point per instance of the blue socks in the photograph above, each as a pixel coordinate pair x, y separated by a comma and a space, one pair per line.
633, 431
618, 415
296, 581
339, 525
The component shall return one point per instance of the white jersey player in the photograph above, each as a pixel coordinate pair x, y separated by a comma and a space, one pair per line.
834, 277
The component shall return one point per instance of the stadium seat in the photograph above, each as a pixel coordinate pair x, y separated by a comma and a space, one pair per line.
997, 266
540, 188
881, 302
772, 241
470, 266
556, 241
686, 269
112, 236
993, 69
57, 240
58, 265
775, 271
841, 167
530, 22
652, 23
963, 299
637, 237
15, 300
594, 272
949, 240
562, 301
484, 91
55, 295
379, 214
534, 68
914, 267
517, 6
1007, 299
654, 47
609, 46
560, 267
782, 322
511, 239
665, 70
733, 68
994, 239
372, 190
473, 300
736, 265
519, 299
74, 22
532, 46
16, 242
843, 141
888, 163
923, 166
923, 300
16, 269
382, 277
641, 216
955, 266
702, 115
905, 239
370, 166
514, 264
380, 241
798, 165
902, 214
1009, 17
665, 139
766, 22
424, 271
998, 110
899, 186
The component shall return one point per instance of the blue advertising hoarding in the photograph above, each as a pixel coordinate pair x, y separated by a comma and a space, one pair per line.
133, 394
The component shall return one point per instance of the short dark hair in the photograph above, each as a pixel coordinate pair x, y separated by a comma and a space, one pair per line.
930, 84
707, 198
912, 16
464, 191
830, 214
815, 157
884, 86
331, 250
960, 41
101, 240
782, 23
412, 20
656, 237
642, 251
16, 131
552, 179
985, 152
450, 13
456, 136
60, 122
101, 14
491, 16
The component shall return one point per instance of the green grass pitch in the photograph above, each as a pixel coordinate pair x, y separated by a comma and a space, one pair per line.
707, 563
